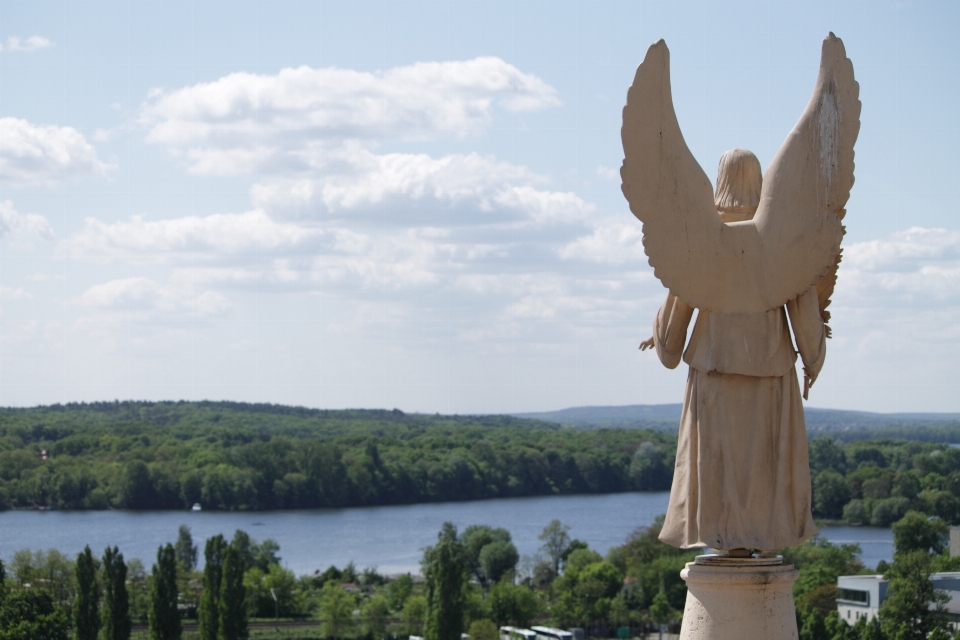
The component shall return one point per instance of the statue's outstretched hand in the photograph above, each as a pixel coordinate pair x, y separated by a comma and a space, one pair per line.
647, 344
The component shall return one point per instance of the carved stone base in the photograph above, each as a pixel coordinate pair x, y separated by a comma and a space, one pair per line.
739, 599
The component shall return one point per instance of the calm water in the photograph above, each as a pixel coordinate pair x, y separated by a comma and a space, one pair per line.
389, 538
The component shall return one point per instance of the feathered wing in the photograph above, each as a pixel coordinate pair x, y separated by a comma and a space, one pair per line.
669, 192
792, 241
807, 186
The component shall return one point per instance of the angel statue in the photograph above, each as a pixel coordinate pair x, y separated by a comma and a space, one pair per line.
757, 252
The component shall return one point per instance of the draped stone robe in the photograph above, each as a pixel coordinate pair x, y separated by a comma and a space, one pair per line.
742, 476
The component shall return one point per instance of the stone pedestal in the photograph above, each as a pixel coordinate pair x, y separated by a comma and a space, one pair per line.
739, 599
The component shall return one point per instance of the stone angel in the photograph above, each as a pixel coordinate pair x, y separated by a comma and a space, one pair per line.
761, 250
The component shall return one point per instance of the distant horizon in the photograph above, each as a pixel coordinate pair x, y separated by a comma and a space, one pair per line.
520, 414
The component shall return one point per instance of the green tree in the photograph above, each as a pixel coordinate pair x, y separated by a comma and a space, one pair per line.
375, 613
660, 611
116, 606
812, 627
209, 609
186, 550
827, 454
398, 590
514, 604
336, 610
830, 494
414, 615
30, 614
445, 574
913, 607
498, 559
474, 540
233, 597
3, 583
555, 537
916, 532
86, 603
164, 618
483, 629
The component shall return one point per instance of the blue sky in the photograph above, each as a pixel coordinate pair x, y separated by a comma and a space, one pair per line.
416, 204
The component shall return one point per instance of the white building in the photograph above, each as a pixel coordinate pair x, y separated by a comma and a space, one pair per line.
861, 596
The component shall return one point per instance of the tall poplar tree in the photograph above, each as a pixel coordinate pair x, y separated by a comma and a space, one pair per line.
116, 601
164, 617
233, 597
86, 604
445, 572
209, 611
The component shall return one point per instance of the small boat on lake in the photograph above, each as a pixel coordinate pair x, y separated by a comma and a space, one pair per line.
196, 507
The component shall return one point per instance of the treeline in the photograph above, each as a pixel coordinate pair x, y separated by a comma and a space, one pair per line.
232, 456
877, 482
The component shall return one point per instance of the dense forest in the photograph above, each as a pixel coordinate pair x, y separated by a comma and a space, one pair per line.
223, 455
877, 482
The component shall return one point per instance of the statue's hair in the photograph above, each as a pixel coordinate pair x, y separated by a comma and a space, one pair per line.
738, 183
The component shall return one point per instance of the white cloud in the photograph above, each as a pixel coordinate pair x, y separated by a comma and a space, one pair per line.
14, 293
14, 224
405, 186
246, 120
918, 266
212, 236
142, 298
27, 45
44, 154
614, 240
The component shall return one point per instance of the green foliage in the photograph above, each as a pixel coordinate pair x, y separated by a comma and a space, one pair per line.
86, 602
185, 549
336, 610
55, 570
483, 629
116, 605
233, 456
913, 607
917, 532
445, 573
830, 494
398, 590
262, 587
820, 562
31, 614
375, 612
414, 615
164, 618
232, 624
209, 609
512, 604
556, 538
498, 559
501, 557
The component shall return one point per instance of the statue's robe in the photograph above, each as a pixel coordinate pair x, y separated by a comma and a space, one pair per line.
742, 476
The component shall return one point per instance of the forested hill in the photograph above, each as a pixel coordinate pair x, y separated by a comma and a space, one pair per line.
225, 455
841, 425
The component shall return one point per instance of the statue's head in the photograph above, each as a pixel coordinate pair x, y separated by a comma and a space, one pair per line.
738, 185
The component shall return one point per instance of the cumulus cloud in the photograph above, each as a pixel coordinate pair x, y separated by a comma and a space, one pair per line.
14, 224
917, 265
246, 120
356, 179
44, 154
613, 240
213, 236
27, 45
143, 298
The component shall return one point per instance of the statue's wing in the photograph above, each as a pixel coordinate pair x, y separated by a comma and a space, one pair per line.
827, 283
793, 240
691, 251
807, 186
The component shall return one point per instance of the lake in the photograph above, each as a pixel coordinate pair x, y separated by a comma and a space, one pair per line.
389, 538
